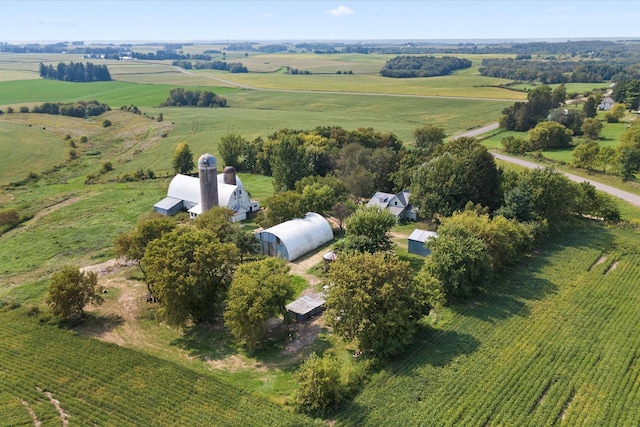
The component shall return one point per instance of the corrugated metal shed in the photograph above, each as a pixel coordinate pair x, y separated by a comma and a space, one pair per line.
417, 240
168, 206
306, 306
292, 239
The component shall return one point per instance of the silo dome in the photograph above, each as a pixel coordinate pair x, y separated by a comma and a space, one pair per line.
206, 161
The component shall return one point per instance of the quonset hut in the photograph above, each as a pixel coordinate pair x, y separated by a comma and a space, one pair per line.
197, 195
292, 239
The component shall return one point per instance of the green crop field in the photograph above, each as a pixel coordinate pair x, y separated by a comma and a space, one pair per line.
95, 383
555, 342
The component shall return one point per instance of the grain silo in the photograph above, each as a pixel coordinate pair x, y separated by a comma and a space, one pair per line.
229, 174
208, 174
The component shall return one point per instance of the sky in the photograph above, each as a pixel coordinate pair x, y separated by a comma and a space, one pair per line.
130, 21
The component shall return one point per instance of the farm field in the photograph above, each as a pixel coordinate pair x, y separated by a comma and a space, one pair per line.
555, 342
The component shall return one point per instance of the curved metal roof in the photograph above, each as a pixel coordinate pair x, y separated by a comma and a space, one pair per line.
187, 188
302, 235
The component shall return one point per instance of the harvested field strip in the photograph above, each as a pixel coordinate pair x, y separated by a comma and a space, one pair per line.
551, 343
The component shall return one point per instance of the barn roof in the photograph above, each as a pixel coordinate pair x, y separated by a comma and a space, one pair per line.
302, 235
187, 188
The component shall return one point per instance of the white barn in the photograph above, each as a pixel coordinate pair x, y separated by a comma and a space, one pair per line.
184, 193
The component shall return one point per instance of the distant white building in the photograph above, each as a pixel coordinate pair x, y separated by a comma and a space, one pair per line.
185, 194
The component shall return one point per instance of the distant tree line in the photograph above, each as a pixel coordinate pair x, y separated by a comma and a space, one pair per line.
73, 109
75, 72
181, 97
232, 67
422, 66
628, 92
551, 72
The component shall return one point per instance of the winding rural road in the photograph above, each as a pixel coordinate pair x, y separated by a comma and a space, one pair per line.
624, 195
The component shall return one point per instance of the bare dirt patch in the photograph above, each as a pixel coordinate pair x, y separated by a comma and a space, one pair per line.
34, 417
612, 267
64, 417
306, 333
599, 261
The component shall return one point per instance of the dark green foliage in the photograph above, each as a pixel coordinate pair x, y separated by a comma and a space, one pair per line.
78, 109
368, 230
423, 66
320, 386
429, 137
70, 290
549, 135
515, 145
9, 218
258, 292
190, 271
288, 163
281, 207
181, 97
106, 123
75, 72
459, 262
523, 116
374, 300
465, 172
232, 148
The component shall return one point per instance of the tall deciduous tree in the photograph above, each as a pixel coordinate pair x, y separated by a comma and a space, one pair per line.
190, 270
459, 262
281, 207
591, 128
232, 148
258, 292
70, 290
373, 299
429, 137
183, 159
368, 229
289, 163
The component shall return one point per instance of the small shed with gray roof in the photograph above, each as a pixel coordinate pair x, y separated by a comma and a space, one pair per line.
417, 241
306, 307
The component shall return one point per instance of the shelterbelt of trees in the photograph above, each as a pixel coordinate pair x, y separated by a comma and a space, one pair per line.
75, 72
422, 66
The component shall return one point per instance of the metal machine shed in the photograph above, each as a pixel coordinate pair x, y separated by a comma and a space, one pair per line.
417, 239
292, 239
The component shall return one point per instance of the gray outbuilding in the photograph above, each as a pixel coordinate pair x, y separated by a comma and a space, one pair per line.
292, 239
306, 306
417, 241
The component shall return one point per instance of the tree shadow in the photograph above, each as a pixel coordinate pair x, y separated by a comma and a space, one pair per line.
93, 326
207, 341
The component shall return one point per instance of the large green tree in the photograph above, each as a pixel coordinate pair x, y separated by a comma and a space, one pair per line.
183, 159
374, 300
232, 148
459, 263
281, 207
70, 290
258, 292
368, 229
429, 137
549, 135
190, 270
320, 384
289, 162
219, 220
133, 244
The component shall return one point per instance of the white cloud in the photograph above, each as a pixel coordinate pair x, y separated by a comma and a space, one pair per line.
341, 10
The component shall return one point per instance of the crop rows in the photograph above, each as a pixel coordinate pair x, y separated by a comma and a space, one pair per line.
555, 342
103, 384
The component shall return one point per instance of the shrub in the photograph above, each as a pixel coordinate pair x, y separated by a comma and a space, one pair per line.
24, 109
106, 123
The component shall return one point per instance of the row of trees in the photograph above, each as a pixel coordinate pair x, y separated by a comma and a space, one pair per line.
523, 116
75, 72
423, 66
181, 97
552, 72
74, 109
232, 67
